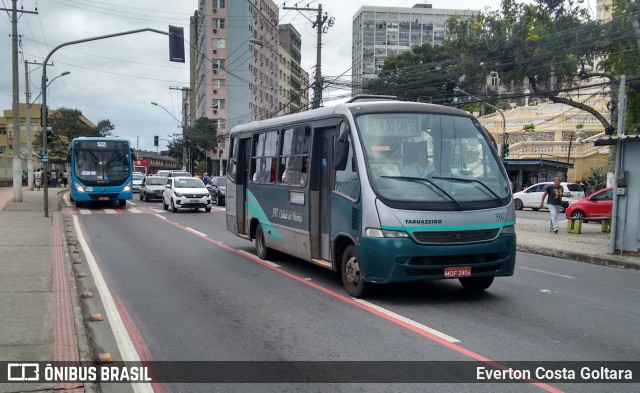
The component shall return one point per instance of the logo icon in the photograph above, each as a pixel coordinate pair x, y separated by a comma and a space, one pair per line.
23, 372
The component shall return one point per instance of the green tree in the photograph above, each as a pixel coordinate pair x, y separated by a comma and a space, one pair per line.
201, 137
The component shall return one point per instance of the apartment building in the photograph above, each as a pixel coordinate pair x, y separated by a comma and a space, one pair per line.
380, 32
293, 81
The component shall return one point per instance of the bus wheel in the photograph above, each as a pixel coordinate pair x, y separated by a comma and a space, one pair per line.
476, 284
122, 202
78, 204
352, 273
261, 248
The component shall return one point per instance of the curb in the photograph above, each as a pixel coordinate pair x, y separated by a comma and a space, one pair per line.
579, 257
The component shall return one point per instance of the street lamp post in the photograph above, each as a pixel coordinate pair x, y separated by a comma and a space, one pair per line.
185, 154
504, 122
29, 105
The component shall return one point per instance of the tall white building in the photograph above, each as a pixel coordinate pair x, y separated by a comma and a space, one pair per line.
380, 32
293, 86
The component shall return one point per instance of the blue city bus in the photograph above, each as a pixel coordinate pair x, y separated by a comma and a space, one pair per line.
378, 189
100, 170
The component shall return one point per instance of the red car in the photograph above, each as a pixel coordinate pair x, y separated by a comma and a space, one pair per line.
598, 204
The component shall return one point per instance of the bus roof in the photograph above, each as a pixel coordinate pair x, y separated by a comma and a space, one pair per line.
100, 138
368, 105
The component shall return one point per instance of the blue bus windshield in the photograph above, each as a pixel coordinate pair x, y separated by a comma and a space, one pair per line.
102, 166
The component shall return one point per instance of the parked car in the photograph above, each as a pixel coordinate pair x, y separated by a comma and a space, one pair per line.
137, 181
531, 196
218, 189
185, 193
152, 187
598, 204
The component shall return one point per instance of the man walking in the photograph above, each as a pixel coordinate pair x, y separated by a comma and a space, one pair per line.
554, 201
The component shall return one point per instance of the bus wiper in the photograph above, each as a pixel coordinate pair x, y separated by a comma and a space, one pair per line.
422, 180
462, 179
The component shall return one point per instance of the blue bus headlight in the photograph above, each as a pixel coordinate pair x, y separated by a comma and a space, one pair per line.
78, 187
127, 187
375, 232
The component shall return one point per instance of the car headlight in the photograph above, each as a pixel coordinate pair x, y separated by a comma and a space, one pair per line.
376, 232
178, 194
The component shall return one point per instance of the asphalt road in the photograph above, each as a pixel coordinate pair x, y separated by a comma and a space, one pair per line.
193, 291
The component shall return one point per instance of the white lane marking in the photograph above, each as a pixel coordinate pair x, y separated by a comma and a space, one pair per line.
263, 260
85, 211
133, 210
66, 199
110, 211
196, 232
131, 203
159, 216
123, 340
632, 290
411, 322
545, 272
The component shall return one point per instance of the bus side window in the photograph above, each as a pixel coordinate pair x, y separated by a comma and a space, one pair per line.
347, 181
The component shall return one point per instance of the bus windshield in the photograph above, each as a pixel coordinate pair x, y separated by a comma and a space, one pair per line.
102, 165
431, 158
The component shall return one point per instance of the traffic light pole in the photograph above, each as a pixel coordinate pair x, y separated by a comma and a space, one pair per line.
45, 152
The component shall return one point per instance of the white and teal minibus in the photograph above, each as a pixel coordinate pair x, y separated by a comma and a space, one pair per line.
378, 189
100, 169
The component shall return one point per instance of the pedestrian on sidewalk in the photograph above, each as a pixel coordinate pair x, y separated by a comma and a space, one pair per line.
37, 176
553, 193
65, 178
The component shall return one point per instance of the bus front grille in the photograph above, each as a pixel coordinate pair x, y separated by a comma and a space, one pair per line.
456, 237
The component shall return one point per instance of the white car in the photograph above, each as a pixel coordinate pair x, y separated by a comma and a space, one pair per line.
137, 181
185, 193
531, 196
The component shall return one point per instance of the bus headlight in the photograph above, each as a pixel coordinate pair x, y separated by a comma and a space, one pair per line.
511, 229
127, 187
78, 187
375, 232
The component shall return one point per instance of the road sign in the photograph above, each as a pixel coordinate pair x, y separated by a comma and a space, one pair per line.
44, 157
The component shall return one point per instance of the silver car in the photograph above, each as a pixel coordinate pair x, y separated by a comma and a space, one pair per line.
152, 188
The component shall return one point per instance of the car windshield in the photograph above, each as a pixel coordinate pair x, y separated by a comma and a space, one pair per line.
452, 152
156, 181
189, 183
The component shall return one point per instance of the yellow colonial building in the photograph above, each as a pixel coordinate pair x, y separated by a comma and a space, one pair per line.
547, 139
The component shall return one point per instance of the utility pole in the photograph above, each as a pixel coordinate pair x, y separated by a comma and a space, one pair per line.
318, 24
17, 163
185, 126
29, 141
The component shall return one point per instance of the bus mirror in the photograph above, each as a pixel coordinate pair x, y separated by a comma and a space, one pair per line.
341, 149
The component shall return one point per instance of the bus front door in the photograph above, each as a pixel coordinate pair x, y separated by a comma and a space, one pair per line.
236, 193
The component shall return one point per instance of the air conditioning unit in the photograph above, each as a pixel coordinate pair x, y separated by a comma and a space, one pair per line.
215, 30
215, 71
215, 91
215, 11
215, 111
215, 51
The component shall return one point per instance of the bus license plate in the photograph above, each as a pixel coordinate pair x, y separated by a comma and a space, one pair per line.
455, 272
104, 198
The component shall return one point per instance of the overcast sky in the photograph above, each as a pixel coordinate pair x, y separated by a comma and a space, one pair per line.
118, 78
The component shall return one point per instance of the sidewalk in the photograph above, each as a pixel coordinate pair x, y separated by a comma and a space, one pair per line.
36, 292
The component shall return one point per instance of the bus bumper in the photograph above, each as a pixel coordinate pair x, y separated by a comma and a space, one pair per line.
394, 260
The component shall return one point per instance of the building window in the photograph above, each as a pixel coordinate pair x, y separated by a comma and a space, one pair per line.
218, 43
218, 64
218, 83
218, 3
218, 23
217, 104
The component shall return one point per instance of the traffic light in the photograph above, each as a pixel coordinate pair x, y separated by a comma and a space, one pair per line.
176, 44
44, 115
49, 133
155, 140
505, 150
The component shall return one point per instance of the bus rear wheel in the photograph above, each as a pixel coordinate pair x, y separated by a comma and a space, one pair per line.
476, 284
261, 248
351, 271
122, 202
